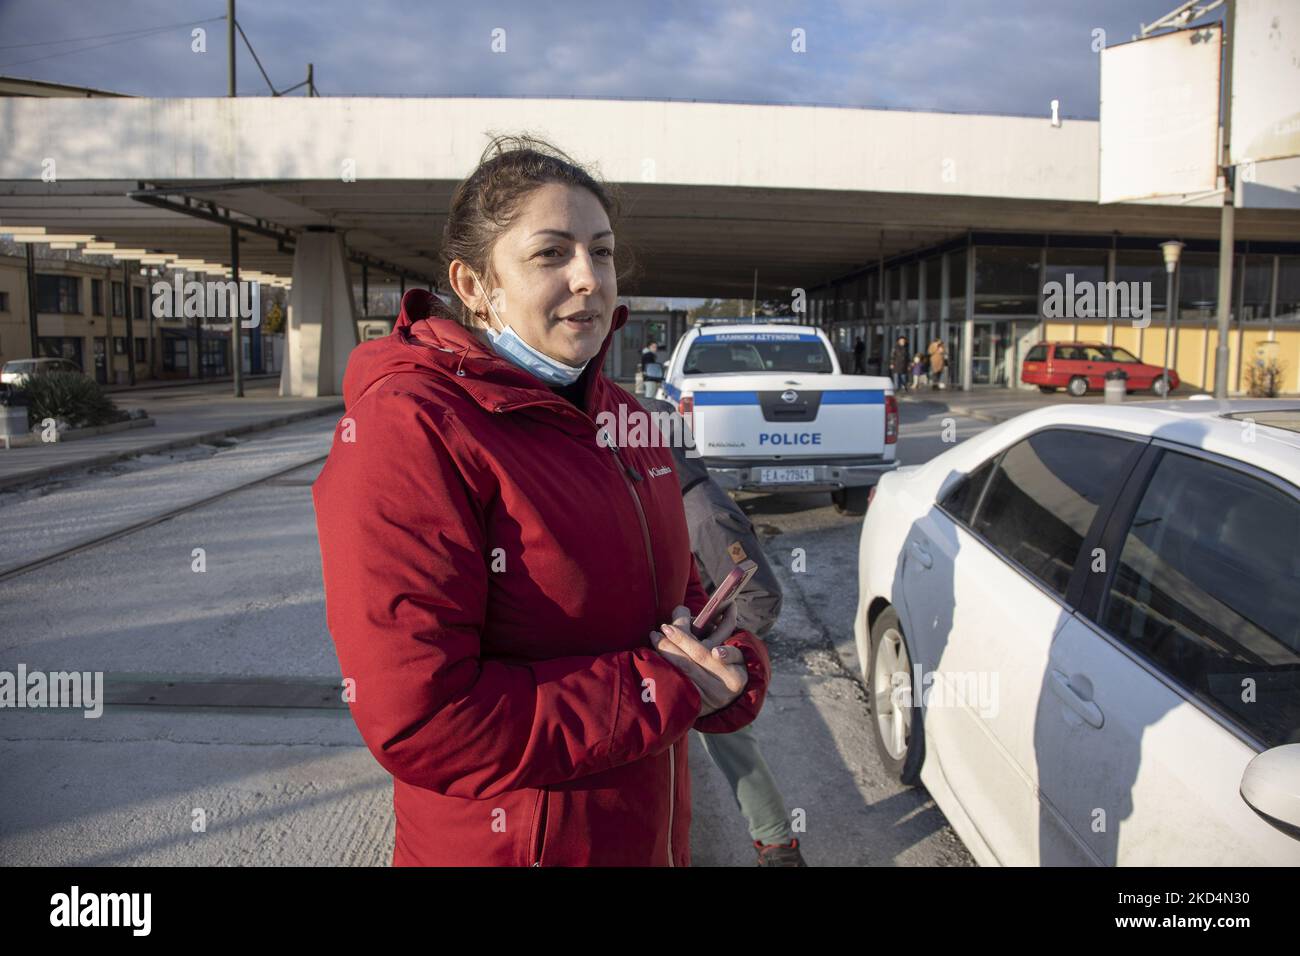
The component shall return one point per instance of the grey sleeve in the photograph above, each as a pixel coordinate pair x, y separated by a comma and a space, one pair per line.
721, 537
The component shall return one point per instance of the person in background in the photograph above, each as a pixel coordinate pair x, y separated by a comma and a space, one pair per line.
722, 536
652, 373
938, 363
859, 357
898, 364
918, 370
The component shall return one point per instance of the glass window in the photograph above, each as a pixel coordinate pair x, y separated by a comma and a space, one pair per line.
961, 501
4, 301
1075, 268
1288, 285
1256, 286
119, 303
1037, 354
1198, 286
1006, 281
933, 287
58, 293
97, 296
1143, 266
1205, 588
1043, 496
137, 302
756, 352
957, 283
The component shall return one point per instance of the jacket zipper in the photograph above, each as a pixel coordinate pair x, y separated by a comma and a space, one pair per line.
630, 474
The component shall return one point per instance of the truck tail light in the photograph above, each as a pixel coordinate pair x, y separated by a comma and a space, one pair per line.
686, 408
891, 419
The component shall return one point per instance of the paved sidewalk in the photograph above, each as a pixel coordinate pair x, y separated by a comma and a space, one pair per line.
184, 416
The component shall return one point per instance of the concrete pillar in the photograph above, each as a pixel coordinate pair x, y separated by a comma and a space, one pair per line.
968, 322
321, 327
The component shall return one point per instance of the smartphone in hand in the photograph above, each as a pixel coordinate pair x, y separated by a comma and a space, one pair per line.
725, 594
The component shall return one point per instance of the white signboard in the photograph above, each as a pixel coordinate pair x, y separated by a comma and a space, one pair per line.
1265, 81
1159, 130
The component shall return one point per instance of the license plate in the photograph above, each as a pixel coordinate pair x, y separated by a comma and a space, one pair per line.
784, 476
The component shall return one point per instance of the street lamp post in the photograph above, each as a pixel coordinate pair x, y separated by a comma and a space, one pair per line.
1171, 250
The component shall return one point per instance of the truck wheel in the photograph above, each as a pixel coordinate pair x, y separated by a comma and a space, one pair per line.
1047, 388
1078, 386
851, 501
899, 731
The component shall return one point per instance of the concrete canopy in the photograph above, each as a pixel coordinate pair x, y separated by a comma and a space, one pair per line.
711, 191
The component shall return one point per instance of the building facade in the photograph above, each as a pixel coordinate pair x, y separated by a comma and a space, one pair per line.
987, 296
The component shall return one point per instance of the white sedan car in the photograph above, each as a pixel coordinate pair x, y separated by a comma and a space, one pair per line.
1080, 631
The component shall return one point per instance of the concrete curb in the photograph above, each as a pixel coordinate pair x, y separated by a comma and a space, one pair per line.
185, 442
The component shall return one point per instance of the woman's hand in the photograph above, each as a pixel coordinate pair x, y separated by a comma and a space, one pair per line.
716, 669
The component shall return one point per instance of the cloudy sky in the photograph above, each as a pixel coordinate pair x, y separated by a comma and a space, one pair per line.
986, 56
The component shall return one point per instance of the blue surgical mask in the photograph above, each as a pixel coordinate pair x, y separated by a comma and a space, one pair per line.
514, 349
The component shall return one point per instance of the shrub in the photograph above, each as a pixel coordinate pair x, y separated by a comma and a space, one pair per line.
1264, 378
73, 397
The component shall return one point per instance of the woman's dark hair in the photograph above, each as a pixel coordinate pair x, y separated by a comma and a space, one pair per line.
489, 199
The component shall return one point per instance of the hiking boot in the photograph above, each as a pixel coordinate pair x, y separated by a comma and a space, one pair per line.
779, 854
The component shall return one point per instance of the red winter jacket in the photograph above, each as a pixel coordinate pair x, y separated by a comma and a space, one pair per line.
491, 575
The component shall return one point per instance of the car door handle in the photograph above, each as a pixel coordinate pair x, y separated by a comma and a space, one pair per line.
922, 555
1086, 709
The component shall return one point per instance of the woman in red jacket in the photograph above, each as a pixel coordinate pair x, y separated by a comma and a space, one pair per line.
507, 590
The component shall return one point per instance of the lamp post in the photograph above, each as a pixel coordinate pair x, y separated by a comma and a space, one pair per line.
1171, 250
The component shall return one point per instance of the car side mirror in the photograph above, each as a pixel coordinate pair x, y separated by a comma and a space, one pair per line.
1271, 787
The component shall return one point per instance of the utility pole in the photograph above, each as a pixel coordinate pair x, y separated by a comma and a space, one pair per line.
236, 342
1229, 211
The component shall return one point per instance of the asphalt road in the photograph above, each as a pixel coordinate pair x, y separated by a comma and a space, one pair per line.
262, 783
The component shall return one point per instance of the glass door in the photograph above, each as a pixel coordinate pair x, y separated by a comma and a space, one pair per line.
988, 352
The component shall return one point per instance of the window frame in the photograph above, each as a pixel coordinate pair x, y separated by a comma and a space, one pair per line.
1075, 589
1093, 604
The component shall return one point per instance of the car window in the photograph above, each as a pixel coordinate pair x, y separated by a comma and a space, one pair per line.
1067, 353
1037, 354
1206, 588
1093, 354
756, 352
961, 501
1115, 354
1044, 494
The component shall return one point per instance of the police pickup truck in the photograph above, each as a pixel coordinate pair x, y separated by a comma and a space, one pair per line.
771, 410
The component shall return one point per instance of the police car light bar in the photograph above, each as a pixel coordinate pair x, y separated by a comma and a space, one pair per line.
746, 320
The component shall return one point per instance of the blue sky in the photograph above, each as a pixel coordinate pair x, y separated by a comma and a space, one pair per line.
984, 56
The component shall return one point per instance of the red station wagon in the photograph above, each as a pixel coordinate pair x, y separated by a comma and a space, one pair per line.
1079, 366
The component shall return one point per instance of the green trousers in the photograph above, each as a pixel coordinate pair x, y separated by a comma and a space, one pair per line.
752, 785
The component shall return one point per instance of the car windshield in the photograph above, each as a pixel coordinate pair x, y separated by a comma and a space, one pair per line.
720, 353
1288, 419
18, 366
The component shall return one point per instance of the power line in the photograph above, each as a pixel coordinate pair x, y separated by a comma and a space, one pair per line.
105, 36
96, 46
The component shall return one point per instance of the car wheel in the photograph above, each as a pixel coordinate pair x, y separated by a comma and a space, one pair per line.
851, 501
899, 732
1160, 387
1047, 388
1078, 386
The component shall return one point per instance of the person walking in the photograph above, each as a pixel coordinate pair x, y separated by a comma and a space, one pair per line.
918, 370
938, 356
508, 594
898, 364
652, 372
721, 537
859, 357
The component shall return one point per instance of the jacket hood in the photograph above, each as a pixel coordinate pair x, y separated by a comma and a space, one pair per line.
427, 338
